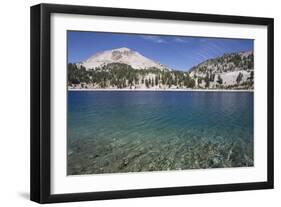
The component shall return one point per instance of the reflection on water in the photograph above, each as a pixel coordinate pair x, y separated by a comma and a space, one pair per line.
135, 131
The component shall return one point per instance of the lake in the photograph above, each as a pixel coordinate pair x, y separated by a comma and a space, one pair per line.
135, 131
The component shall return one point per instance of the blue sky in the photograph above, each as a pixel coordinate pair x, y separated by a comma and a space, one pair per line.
177, 52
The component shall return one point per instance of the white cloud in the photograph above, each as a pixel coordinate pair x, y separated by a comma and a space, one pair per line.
180, 40
159, 39
155, 39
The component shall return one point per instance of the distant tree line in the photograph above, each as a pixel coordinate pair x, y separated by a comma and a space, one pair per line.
121, 75
225, 63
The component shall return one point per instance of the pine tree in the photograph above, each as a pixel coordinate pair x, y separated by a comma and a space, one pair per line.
156, 80
219, 81
146, 83
239, 77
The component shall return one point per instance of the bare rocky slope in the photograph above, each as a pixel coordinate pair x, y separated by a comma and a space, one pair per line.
121, 55
233, 70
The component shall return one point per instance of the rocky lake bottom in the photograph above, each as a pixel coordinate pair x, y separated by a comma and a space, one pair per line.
117, 132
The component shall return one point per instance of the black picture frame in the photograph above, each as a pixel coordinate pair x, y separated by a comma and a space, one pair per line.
41, 99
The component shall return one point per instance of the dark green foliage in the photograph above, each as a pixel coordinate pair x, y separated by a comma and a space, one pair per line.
207, 80
219, 81
236, 59
191, 83
146, 83
251, 78
156, 80
77, 75
199, 80
212, 77
239, 78
250, 62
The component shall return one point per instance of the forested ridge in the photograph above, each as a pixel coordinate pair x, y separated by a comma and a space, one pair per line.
230, 71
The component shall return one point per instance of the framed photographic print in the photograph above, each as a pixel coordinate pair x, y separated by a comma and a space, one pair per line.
132, 103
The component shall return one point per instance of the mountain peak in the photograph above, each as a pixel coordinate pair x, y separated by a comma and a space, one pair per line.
122, 49
121, 55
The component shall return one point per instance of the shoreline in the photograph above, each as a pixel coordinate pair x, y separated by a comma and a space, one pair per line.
160, 90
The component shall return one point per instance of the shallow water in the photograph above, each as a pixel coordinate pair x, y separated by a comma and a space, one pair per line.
133, 131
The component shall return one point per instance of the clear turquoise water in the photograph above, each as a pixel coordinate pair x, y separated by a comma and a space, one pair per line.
132, 131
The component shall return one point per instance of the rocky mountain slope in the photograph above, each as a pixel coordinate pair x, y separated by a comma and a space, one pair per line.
121, 55
230, 70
